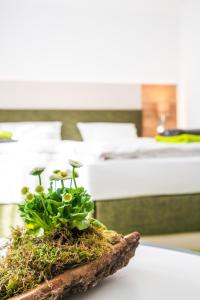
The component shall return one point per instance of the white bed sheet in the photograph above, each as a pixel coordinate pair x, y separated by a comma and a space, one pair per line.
140, 148
115, 179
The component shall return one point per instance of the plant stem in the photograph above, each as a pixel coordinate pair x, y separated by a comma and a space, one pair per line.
62, 183
40, 181
44, 206
73, 176
51, 185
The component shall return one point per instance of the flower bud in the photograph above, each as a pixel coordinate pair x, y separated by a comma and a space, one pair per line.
63, 174
75, 163
24, 190
39, 189
37, 171
67, 197
52, 177
56, 171
29, 197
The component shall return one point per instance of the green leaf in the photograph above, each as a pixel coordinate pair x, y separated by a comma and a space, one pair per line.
63, 210
97, 223
81, 225
78, 216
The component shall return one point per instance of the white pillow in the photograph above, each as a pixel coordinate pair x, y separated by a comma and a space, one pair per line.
33, 130
107, 132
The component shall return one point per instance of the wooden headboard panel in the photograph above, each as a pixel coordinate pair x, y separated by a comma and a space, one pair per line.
69, 118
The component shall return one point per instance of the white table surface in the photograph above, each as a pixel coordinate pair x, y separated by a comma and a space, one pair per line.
153, 274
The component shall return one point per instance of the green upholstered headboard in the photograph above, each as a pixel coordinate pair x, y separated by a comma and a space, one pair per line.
70, 118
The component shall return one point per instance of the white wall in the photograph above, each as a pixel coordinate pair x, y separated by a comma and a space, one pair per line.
127, 41
189, 88
64, 95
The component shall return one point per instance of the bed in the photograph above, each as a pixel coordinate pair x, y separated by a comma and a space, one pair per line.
167, 203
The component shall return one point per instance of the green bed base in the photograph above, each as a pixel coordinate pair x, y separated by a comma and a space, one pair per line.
151, 215
9, 217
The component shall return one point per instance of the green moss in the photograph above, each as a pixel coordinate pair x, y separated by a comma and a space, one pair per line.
31, 260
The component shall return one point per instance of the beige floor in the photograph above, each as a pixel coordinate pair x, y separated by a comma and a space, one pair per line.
179, 240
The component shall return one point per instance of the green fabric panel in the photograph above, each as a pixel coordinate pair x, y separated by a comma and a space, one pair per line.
180, 138
148, 215
151, 215
71, 117
9, 216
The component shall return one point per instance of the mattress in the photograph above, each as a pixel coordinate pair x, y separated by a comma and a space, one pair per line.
117, 179
104, 179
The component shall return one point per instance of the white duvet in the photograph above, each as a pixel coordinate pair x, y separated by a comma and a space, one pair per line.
140, 148
17, 159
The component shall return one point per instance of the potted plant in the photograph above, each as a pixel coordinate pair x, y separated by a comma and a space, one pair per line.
62, 249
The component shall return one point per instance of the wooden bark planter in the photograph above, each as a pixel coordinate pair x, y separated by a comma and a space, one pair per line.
81, 278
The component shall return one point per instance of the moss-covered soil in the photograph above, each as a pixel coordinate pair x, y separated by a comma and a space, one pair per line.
32, 260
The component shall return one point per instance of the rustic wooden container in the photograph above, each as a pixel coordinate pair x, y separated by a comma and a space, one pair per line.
82, 278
